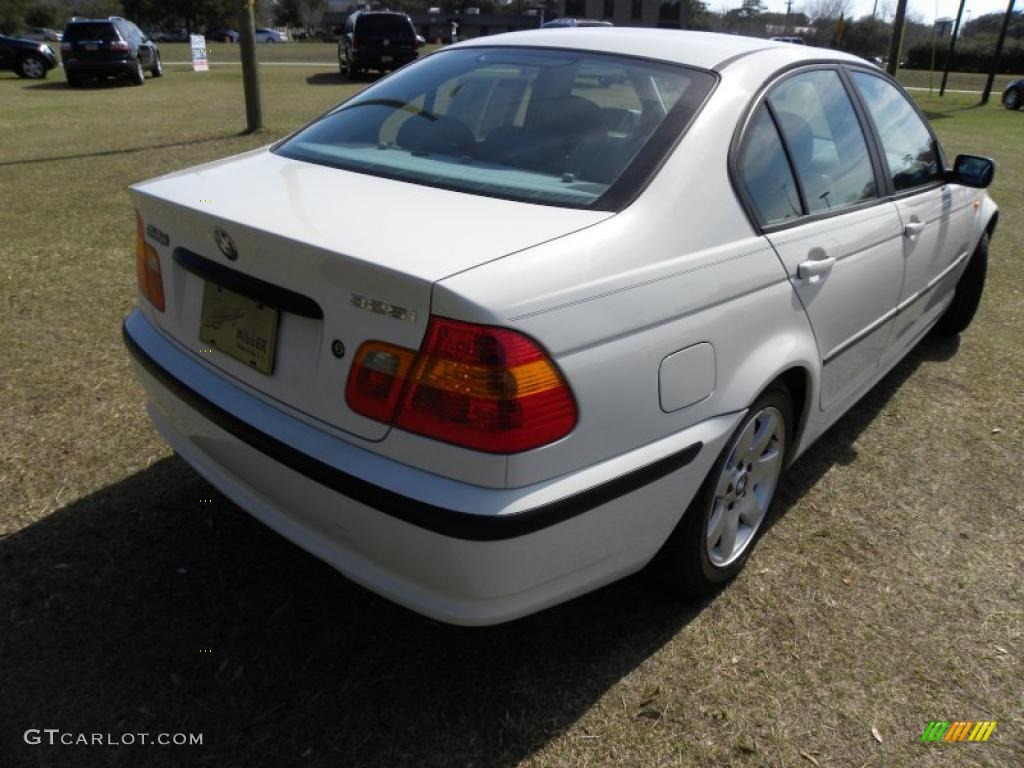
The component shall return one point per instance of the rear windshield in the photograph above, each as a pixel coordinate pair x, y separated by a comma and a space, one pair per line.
383, 24
100, 30
558, 127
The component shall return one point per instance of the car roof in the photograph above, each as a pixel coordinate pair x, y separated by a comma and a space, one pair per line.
705, 50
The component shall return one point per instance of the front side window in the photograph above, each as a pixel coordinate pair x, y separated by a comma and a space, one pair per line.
766, 174
551, 126
910, 151
824, 139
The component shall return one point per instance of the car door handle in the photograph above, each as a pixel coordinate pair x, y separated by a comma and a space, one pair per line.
913, 229
815, 267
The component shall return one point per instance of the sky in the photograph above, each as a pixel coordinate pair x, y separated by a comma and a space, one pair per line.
924, 8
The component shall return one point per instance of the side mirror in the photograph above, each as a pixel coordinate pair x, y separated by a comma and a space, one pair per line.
972, 171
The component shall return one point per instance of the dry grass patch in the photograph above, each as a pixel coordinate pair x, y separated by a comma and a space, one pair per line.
887, 593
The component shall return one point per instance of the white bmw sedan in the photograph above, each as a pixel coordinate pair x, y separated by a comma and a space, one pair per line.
541, 308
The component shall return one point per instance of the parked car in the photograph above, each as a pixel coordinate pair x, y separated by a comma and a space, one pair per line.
28, 58
380, 40
112, 47
270, 36
789, 39
42, 34
1013, 95
571, 22
615, 344
222, 35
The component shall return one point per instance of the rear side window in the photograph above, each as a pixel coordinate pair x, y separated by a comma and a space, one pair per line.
91, 31
130, 33
766, 174
553, 126
824, 139
910, 150
383, 24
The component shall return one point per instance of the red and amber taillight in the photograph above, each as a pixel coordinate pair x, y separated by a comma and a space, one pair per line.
478, 386
147, 267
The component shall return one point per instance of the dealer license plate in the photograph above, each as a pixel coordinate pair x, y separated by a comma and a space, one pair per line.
239, 327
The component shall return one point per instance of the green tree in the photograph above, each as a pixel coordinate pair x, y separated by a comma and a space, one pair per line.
751, 9
12, 15
43, 15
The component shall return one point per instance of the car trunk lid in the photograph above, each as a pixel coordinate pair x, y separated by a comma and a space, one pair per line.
341, 257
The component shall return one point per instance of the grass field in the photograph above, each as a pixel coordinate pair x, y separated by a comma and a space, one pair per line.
887, 592
958, 81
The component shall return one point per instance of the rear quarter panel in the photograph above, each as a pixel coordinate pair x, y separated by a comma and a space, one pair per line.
680, 266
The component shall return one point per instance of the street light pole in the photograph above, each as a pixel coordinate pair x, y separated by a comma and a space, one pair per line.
250, 73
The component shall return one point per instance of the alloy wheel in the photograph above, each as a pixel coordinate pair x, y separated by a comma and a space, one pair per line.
33, 68
745, 486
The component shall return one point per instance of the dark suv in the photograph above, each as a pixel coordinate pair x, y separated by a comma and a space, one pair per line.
108, 47
27, 58
381, 40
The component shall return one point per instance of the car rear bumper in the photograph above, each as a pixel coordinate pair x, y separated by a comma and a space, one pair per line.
453, 551
110, 67
376, 59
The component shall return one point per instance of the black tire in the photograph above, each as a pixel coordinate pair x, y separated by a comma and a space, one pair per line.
74, 81
138, 77
354, 72
31, 66
684, 564
157, 70
1013, 98
967, 295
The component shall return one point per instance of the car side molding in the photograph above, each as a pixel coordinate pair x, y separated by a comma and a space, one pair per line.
442, 520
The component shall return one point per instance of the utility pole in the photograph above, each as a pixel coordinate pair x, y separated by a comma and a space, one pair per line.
250, 73
789, 5
896, 41
996, 56
952, 47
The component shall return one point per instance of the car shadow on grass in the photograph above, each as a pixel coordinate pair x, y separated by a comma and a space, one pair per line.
327, 78
93, 84
336, 79
155, 605
837, 445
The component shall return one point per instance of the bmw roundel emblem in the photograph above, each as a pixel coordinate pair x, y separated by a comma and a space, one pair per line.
225, 243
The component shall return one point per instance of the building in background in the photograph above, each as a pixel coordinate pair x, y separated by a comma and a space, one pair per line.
627, 13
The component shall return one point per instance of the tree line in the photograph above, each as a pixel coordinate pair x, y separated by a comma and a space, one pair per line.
826, 23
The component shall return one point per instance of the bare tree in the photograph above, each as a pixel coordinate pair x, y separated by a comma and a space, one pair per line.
820, 10
311, 12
